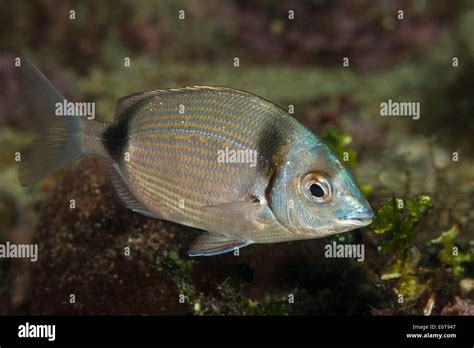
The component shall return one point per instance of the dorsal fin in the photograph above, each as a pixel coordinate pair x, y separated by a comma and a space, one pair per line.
125, 103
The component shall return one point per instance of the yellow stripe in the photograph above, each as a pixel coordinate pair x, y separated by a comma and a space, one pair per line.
164, 113
191, 206
211, 111
156, 160
136, 150
151, 144
210, 156
226, 102
217, 131
212, 185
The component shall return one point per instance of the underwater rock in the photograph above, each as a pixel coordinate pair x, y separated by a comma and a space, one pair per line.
459, 307
467, 285
83, 235
83, 267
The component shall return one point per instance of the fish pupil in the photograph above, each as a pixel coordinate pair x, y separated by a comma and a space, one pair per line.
316, 190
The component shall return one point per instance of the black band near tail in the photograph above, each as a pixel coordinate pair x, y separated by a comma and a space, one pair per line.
115, 139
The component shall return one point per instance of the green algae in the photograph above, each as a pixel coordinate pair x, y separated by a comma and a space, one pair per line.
450, 254
338, 141
229, 298
399, 222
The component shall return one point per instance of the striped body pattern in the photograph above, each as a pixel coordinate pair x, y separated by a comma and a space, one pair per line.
173, 143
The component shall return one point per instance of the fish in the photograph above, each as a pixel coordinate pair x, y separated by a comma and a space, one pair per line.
225, 161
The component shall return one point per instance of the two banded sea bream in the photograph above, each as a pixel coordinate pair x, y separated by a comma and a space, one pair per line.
219, 159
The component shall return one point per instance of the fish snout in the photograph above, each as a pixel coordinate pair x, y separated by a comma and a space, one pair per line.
362, 216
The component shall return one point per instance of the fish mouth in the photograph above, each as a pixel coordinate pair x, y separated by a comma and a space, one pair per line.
359, 221
359, 218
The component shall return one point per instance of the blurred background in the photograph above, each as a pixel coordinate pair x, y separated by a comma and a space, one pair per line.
423, 54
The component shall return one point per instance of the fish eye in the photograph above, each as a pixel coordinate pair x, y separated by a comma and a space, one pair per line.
316, 187
316, 190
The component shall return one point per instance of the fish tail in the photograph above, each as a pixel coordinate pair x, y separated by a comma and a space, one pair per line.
61, 138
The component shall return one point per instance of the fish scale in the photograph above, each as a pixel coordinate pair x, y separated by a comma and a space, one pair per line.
199, 181
183, 186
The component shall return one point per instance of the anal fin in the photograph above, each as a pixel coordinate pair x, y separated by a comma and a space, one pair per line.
209, 244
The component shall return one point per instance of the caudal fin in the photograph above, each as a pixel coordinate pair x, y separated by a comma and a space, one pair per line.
60, 141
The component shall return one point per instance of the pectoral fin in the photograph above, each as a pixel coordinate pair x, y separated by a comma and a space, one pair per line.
209, 244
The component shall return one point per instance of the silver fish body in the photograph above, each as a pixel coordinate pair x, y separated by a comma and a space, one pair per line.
222, 160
